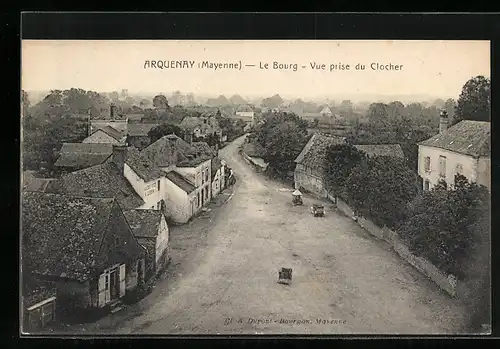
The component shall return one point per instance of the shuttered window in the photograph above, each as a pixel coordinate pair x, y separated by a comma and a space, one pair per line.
122, 280
427, 164
102, 291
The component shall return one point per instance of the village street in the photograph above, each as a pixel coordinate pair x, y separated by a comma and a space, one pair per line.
225, 265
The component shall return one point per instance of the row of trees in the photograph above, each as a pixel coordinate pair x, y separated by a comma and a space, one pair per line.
450, 228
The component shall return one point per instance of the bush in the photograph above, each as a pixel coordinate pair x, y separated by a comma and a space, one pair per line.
442, 225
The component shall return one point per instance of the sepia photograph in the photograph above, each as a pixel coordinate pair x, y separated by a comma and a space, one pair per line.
255, 187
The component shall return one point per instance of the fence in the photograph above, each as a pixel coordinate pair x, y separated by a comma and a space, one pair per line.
447, 283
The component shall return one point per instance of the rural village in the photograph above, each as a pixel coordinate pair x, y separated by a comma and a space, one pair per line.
171, 215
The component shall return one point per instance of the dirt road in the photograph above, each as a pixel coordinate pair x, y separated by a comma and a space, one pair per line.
344, 281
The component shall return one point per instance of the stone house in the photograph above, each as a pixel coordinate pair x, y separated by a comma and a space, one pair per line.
107, 134
151, 230
77, 156
188, 168
309, 174
137, 135
85, 247
464, 148
201, 127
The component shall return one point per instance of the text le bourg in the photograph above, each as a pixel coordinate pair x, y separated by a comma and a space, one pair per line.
340, 66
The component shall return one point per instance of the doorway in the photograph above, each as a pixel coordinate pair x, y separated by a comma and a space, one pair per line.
114, 284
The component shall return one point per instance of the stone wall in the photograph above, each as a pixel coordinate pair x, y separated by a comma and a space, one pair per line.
446, 282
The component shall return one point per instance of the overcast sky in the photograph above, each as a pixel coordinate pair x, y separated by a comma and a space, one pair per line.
434, 68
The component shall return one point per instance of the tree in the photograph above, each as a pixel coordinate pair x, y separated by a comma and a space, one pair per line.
377, 114
380, 189
160, 102
449, 106
474, 102
282, 136
25, 101
340, 161
164, 129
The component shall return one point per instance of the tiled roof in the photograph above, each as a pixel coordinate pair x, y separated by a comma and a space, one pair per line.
142, 166
314, 152
100, 181
82, 155
32, 183
61, 235
393, 150
191, 122
144, 223
311, 115
110, 131
137, 130
134, 116
180, 181
468, 137
158, 152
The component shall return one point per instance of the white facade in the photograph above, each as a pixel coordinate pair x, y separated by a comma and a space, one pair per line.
218, 181
180, 206
152, 192
436, 163
162, 240
200, 176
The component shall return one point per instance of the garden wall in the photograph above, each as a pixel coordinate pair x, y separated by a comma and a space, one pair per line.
447, 283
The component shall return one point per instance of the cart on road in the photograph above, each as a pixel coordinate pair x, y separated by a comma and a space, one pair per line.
318, 210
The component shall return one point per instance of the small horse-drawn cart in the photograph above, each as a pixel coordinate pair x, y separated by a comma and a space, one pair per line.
297, 198
318, 210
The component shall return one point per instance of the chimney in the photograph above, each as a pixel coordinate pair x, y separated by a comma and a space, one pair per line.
188, 136
172, 149
443, 121
112, 111
119, 157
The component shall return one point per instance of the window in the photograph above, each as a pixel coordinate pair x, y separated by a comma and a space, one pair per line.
427, 164
459, 169
158, 205
153, 207
206, 176
206, 193
426, 184
442, 166
198, 195
202, 177
158, 185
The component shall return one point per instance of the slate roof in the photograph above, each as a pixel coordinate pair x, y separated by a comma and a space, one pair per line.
110, 131
392, 150
61, 235
138, 130
467, 137
100, 181
253, 150
314, 152
142, 165
180, 181
83, 155
144, 223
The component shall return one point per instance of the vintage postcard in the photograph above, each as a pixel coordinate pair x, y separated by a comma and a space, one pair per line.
255, 187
